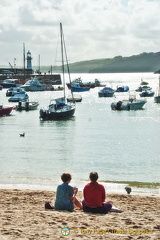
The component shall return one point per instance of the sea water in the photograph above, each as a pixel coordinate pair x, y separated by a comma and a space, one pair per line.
119, 145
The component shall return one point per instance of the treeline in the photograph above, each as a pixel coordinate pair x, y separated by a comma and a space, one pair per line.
144, 62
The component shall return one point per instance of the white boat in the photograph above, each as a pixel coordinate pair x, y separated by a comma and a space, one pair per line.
18, 97
33, 85
157, 97
74, 98
129, 104
58, 108
27, 105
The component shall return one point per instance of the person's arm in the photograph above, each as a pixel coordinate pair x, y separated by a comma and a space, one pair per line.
75, 193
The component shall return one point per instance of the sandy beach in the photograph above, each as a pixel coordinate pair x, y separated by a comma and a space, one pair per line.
23, 217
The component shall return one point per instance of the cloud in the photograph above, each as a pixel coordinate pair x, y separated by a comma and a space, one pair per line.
92, 28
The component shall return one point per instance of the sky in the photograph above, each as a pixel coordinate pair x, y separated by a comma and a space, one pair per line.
93, 29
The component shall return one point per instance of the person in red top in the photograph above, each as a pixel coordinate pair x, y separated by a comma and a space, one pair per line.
94, 196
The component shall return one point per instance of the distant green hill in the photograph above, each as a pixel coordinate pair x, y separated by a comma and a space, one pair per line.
144, 62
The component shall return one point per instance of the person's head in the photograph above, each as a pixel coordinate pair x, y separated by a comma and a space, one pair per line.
93, 176
66, 177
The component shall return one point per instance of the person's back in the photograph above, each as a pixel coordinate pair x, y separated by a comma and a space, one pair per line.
63, 195
94, 196
66, 195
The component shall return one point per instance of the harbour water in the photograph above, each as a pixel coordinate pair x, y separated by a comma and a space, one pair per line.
119, 145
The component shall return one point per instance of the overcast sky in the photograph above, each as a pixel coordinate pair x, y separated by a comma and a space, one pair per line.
93, 29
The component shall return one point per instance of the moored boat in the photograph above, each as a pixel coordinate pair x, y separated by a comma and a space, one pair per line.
122, 89
157, 97
94, 84
18, 97
143, 88
106, 92
129, 104
27, 105
33, 85
147, 93
74, 98
5, 110
58, 108
9, 82
12, 91
75, 87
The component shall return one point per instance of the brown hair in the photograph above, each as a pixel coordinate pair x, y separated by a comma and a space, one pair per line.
93, 176
66, 177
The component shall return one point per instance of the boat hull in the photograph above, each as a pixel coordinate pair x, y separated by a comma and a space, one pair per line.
106, 94
6, 110
27, 106
33, 88
147, 94
74, 98
74, 89
127, 105
57, 115
157, 99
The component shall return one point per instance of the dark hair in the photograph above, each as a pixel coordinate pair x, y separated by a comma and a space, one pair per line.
66, 177
93, 176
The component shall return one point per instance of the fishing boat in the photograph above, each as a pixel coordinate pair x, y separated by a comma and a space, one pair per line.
33, 85
128, 104
58, 108
5, 110
79, 81
157, 97
75, 87
106, 92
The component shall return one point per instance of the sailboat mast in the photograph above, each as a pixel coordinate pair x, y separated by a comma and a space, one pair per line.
62, 55
66, 60
24, 60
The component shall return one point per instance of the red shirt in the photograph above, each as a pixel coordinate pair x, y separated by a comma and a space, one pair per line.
94, 194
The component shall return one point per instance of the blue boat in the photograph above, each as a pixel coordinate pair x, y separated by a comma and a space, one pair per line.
106, 92
147, 93
9, 82
75, 87
122, 89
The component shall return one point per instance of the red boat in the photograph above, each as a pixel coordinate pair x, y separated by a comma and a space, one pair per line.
5, 110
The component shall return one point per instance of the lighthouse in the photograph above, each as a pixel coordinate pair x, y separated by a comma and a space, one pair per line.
29, 60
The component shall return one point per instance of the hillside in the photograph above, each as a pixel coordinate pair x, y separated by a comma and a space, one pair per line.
144, 62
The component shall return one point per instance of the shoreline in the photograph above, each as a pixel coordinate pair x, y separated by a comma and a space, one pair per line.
23, 217
111, 188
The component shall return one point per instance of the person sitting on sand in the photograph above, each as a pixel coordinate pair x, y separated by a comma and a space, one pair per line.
94, 196
66, 195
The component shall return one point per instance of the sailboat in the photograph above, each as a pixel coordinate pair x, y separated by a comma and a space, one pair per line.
59, 108
157, 98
